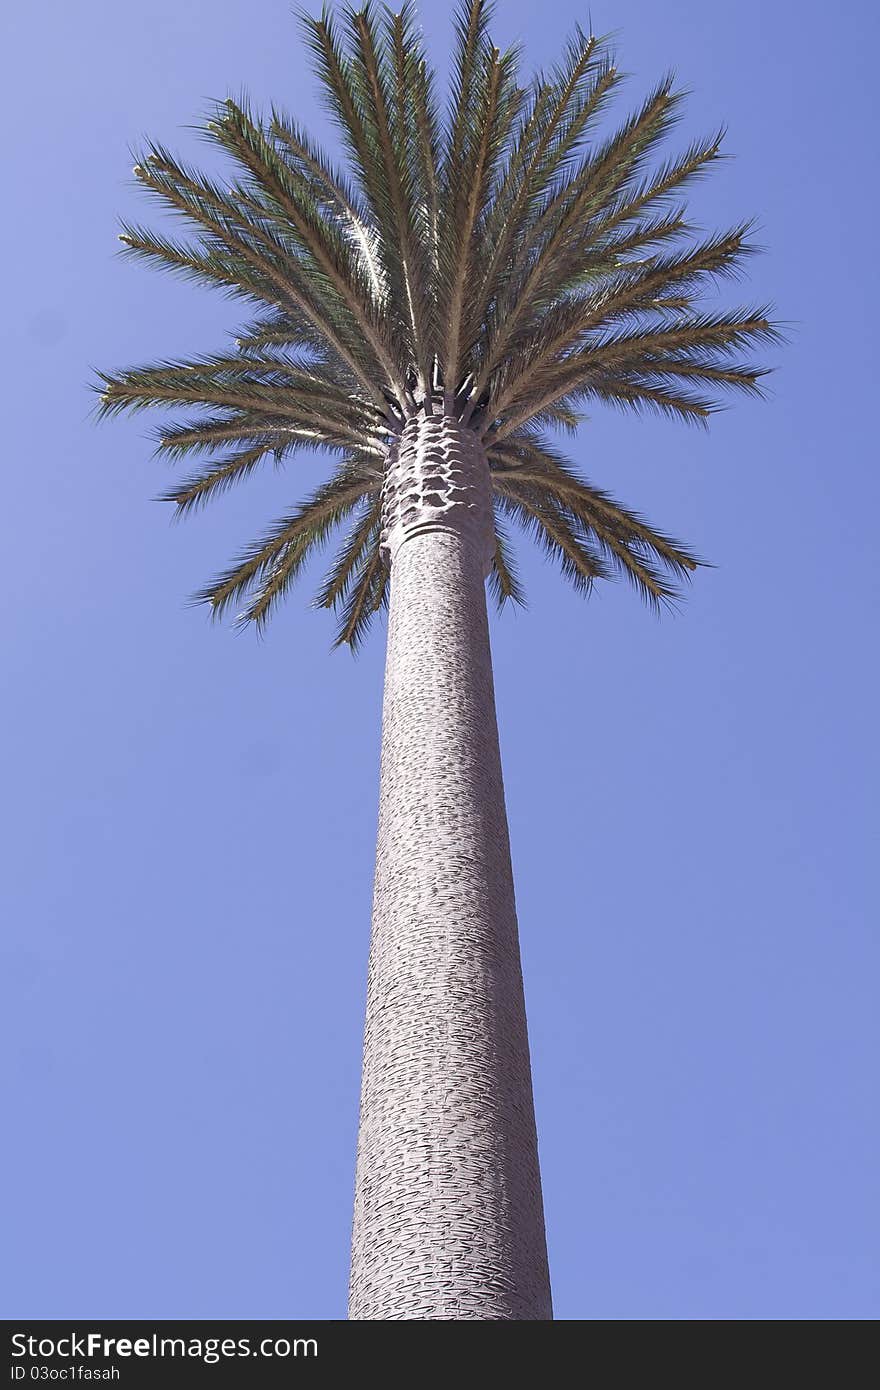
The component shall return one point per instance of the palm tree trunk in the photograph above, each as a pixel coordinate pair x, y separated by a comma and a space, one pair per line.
448, 1219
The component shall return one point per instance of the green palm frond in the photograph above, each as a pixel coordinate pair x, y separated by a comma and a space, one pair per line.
550, 523
268, 259
284, 198
614, 364
204, 435
561, 344
508, 260
201, 488
331, 192
265, 571
486, 108
550, 130
653, 562
276, 388
362, 541
504, 583
553, 242
291, 330
368, 593
383, 71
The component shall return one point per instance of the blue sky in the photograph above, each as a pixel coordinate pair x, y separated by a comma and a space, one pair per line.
188, 815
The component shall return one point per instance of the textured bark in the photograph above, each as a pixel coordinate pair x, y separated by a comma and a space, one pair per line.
448, 1219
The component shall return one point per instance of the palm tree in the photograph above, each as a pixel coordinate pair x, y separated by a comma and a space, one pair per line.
433, 318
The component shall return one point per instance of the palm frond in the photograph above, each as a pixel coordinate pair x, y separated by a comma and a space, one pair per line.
285, 198
546, 520
201, 436
363, 538
195, 492
331, 191
562, 336
611, 359
382, 69
649, 559
554, 246
265, 256
504, 583
506, 260
368, 593
482, 127
267, 568
277, 391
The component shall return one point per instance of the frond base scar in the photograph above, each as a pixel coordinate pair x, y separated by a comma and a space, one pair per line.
437, 479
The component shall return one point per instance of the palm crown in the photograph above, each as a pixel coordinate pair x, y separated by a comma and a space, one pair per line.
501, 263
